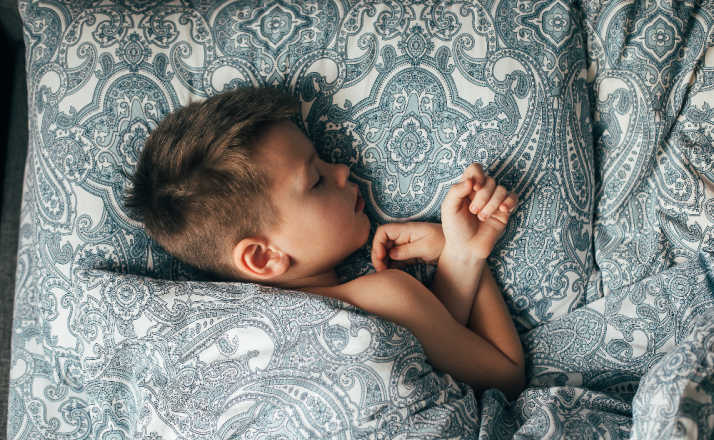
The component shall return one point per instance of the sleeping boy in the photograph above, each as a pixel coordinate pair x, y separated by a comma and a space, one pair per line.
232, 186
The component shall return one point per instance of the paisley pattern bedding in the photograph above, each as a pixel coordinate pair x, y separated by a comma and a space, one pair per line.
595, 112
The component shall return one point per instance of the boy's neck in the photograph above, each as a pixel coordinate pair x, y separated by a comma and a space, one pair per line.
323, 279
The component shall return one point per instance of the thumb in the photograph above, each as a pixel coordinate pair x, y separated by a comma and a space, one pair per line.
456, 195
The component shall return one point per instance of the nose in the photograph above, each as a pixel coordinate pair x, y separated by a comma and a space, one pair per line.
342, 172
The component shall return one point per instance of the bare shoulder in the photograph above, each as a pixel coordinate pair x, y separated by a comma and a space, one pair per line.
389, 293
388, 279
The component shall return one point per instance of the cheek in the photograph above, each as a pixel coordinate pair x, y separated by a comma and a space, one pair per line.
328, 216
334, 207
322, 215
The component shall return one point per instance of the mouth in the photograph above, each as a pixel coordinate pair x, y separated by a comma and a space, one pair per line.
359, 203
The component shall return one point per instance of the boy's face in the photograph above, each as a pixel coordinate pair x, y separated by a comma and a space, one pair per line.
323, 219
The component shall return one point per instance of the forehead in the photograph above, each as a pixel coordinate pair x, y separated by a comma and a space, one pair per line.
282, 151
284, 141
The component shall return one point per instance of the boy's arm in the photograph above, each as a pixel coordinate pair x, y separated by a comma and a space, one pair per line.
491, 319
456, 280
474, 215
457, 277
450, 346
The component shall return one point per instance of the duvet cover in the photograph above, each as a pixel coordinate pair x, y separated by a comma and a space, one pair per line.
597, 113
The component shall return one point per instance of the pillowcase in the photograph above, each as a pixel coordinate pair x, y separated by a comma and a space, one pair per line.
407, 95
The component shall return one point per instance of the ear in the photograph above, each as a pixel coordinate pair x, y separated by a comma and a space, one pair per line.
254, 257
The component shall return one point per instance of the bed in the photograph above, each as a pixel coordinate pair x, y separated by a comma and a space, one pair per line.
597, 113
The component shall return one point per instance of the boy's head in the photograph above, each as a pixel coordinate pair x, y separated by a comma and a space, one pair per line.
231, 185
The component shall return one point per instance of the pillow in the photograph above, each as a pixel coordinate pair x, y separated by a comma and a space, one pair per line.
406, 94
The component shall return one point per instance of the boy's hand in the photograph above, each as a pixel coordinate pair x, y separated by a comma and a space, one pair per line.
407, 243
475, 212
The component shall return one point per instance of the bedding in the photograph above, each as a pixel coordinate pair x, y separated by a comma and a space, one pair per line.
596, 113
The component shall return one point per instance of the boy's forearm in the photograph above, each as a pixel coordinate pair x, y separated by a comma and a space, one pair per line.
471, 295
457, 277
463, 353
491, 319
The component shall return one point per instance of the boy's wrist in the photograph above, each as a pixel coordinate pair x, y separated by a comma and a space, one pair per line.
457, 279
457, 253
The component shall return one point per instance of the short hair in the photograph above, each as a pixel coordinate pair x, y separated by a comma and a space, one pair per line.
197, 186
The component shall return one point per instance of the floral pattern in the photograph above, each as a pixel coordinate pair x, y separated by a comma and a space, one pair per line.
597, 113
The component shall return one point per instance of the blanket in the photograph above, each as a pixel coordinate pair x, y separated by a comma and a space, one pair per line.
597, 113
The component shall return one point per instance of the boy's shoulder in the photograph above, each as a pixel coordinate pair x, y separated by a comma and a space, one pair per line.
389, 293
388, 280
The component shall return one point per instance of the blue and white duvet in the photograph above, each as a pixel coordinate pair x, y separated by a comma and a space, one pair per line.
597, 113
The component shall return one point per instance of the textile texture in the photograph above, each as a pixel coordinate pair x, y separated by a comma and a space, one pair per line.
596, 113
